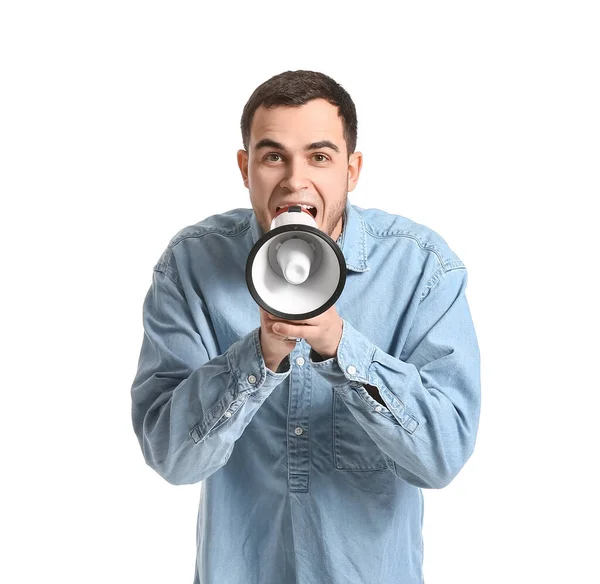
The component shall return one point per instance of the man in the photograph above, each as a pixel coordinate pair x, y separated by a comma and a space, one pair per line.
313, 453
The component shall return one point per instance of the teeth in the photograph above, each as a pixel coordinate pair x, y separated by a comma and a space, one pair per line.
305, 206
312, 210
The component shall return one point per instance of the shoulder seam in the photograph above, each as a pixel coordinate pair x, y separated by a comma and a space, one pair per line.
169, 273
436, 277
207, 231
162, 263
446, 264
430, 247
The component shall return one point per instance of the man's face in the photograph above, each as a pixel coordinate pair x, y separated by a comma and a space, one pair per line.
298, 155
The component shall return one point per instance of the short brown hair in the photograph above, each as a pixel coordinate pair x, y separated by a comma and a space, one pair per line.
295, 88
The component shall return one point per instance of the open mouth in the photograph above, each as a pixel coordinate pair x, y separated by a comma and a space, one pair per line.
312, 210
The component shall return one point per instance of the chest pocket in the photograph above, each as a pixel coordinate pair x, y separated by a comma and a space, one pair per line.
353, 448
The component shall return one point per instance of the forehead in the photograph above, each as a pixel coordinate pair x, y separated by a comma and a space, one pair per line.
298, 125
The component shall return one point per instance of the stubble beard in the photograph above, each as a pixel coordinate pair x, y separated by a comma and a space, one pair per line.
334, 216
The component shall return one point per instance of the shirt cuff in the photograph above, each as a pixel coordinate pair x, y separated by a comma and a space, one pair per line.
350, 366
247, 363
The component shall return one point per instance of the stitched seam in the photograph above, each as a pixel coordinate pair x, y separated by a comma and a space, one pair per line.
362, 267
435, 278
210, 231
387, 415
232, 367
163, 269
419, 242
263, 372
206, 231
362, 240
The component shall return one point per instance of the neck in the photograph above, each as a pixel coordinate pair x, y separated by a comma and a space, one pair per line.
338, 229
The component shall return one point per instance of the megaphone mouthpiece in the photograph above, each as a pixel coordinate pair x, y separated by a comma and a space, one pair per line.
295, 257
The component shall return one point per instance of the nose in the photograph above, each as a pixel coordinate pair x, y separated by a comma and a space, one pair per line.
296, 177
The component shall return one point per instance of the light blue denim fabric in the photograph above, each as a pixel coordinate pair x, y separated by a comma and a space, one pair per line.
306, 478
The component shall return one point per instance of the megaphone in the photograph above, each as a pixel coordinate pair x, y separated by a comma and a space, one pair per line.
295, 271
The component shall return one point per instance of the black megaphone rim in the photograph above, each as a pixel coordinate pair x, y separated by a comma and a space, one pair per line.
287, 229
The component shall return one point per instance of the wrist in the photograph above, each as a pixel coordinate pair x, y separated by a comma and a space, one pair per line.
284, 366
280, 367
272, 366
330, 351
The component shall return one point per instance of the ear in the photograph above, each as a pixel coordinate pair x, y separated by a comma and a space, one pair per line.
354, 166
242, 160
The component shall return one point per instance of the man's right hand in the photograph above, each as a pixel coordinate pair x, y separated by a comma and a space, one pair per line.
273, 346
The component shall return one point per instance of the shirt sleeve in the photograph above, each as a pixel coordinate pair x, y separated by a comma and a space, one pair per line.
188, 410
429, 427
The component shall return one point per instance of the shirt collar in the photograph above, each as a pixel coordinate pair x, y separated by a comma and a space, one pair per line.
352, 240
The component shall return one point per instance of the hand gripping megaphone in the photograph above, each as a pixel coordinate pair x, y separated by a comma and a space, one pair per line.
295, 271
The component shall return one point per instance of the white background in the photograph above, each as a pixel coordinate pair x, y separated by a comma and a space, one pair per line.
119, 125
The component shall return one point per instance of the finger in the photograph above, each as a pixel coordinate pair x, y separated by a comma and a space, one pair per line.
288, 322
293, 338
287, 330
278, 328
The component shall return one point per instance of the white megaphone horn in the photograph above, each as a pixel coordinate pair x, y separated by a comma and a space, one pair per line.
295, 271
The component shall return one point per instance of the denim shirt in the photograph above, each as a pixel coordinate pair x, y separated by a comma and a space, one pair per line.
306, 478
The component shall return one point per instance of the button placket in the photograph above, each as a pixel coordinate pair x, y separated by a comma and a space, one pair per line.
298, 420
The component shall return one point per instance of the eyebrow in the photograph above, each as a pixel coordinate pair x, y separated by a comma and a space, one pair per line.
267, 143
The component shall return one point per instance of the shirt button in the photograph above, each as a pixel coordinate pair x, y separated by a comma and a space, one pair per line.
378, 409
228, 414
351, 369
300, 361
298, 431
251, 379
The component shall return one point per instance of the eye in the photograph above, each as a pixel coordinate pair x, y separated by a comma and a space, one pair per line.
320, 158
269, 157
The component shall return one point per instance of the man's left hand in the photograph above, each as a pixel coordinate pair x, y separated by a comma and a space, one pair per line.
323, 333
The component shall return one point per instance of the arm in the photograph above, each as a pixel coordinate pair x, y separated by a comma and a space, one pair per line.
429, 423
187, 410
